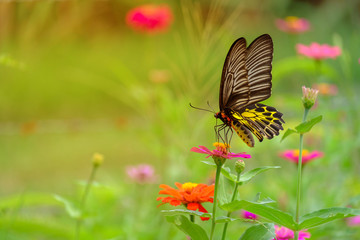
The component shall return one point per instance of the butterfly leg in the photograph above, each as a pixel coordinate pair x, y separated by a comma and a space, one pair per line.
218, 129
226, 135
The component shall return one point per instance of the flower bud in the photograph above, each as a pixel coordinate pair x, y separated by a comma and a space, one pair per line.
98, 159
309, 97
239, 166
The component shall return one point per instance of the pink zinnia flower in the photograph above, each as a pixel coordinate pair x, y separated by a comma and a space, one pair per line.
249, 215
293, 25
293, 155
150, 18
142, 173
317, 51
353, 221
283, 233
221, 151
326, 89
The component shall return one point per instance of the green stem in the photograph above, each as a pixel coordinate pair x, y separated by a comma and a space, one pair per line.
84, 197
192, 218
217, 177
232, 199
299, 176
317, 70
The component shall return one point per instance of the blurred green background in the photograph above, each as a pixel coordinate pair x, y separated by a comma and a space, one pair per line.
75, 79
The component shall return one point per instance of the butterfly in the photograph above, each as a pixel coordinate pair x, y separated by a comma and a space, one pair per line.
246, 81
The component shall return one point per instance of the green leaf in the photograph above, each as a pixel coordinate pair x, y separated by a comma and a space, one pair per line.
246, 177
264, 231
28, 199
307, 125
224, 219
176, 212
191, 229
224, 171
288, 132
34, 228
210, 163
326, 215
259, 208
70, 207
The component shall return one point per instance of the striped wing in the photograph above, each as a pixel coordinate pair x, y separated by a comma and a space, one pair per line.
246, 76
261, 120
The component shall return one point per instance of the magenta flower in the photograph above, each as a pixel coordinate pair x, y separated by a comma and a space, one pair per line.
283, 233
293, 155
326, 89
221, 151
353, 221
150, 18
317, 51
249, 215
142, 173
293, 25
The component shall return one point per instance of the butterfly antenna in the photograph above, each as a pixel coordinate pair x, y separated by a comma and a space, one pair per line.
210, 107
203, 109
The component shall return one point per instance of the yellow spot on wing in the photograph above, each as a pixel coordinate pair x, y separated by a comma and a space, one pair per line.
248, 114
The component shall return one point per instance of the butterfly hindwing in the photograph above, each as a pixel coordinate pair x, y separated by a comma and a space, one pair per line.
261, 120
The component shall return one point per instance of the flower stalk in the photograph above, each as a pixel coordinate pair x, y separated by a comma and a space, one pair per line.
219, 163
97, 161
309, 98
232, 199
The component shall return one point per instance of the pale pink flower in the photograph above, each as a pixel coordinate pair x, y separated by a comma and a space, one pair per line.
249, 215
293, 155
293, 25
283, 233
142, 173
150, 18
326, 89
353, 221
221, 151
317, 51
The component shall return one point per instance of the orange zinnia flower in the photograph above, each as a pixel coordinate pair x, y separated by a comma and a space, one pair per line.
191, 195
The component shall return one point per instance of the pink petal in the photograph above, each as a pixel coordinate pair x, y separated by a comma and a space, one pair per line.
239, 155
201, 149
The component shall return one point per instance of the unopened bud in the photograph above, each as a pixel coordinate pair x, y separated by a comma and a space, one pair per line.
98, 159
309, 97
239, 166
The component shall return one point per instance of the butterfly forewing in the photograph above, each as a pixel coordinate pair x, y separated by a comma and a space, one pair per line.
259, 56
234, 75
246, 76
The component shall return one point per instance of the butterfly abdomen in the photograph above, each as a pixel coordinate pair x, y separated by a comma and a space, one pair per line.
243, 133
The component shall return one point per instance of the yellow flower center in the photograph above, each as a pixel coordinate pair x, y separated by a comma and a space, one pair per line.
291, 19
304, 152
223, 147
189, 186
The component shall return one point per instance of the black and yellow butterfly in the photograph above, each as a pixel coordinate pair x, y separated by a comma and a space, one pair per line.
245, 81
